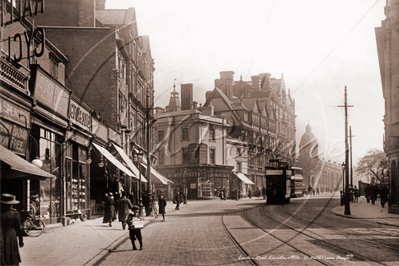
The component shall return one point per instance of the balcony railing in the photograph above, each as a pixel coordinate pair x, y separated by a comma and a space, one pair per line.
12, 76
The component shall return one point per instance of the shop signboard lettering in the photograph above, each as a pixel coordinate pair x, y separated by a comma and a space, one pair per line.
19, 137
51, 94
14, 113
25, 8
80, 116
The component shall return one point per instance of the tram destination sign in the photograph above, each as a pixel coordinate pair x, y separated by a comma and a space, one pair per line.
274, 172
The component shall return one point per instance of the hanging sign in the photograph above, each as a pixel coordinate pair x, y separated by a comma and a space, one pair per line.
80, 116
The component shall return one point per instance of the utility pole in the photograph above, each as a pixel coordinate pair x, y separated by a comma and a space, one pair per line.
350, 144
346, 192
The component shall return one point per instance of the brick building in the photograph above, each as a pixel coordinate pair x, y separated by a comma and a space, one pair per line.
262, 114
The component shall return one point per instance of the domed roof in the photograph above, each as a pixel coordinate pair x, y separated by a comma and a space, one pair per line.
307, 138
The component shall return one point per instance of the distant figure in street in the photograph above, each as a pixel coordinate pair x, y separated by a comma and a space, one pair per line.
373, 193
162, 205
176, 199
109, 210
317, 190
10, 230
134, 231
249, 193
264, 192
357, 194
124, 207
309, 190
384, 195
367, 193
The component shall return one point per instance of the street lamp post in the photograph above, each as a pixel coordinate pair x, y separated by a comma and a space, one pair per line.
343, 185
138, 158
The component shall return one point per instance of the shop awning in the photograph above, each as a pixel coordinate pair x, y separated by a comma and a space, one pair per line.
244, 179
158, 175
129, 163
155, 173
18, 167
113, 160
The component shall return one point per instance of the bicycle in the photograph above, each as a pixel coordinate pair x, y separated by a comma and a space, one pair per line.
32, 226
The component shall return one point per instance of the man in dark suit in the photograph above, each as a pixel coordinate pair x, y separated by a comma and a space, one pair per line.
124, 207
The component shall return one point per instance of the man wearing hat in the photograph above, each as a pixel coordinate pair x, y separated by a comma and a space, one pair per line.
11, 229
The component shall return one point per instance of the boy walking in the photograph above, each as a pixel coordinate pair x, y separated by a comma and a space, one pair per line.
134, 230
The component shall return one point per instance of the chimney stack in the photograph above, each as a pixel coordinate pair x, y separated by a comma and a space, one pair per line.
186, 96
225, 83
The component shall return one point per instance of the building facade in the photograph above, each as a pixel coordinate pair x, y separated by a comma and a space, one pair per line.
387, 37
318, 173
261, 114
80, 111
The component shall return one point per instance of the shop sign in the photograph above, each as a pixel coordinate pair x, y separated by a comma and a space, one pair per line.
14, 113
18, 134
47, 91
274, 172
99, 130
80, 116
114, 136
25, 8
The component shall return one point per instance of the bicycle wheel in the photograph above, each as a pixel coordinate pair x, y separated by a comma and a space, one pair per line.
33, 227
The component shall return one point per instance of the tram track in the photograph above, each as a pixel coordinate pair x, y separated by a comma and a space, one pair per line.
233, 239
307, 254
300, 232
333, 231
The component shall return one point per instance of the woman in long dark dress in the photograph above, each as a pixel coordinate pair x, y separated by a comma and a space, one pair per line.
162, 205
109, 210
11, 229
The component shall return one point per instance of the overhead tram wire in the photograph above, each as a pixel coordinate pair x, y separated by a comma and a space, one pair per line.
346, 35
267, 22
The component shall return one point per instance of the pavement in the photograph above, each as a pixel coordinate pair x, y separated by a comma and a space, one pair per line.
364, 210
65, 244
88, 243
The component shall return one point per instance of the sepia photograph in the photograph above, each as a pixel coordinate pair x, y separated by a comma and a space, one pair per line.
224, 132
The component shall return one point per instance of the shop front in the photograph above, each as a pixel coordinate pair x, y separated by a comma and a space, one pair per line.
50, 123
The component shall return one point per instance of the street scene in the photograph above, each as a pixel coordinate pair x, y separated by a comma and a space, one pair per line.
308, 231
199, 132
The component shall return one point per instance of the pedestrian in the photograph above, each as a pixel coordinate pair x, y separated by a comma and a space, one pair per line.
11, 231
134, 230
109, 210
176, 199
317, 190
264, 192
249, 193
124, 207
373, 193
357, 194
367, 193
221, 194
113, 202
384, 195
162, 205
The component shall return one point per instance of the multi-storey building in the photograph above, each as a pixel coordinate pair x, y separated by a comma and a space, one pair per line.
260, 113
388, 53
194, 150
88, 67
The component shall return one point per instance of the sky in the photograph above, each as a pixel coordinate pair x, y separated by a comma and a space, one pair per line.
318, 46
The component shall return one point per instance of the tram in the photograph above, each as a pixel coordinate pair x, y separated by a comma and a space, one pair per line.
297, 189
278, 183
